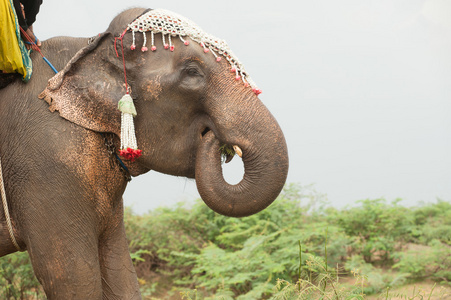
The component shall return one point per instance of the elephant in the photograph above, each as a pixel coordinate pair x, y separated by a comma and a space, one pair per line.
60, 136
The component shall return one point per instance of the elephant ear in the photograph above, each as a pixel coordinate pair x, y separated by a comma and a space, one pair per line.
87, 90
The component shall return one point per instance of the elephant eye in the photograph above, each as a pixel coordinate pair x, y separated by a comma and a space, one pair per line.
192, 76
192, 71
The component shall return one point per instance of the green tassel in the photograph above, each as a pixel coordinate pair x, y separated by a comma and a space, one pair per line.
126, 105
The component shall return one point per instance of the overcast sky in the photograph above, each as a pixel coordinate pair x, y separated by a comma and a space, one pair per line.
361, 89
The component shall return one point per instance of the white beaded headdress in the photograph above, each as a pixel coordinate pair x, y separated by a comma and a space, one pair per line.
170, 25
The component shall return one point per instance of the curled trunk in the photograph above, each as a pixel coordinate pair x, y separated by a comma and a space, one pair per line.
265, 170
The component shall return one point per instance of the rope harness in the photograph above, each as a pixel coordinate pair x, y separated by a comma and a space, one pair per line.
5, 209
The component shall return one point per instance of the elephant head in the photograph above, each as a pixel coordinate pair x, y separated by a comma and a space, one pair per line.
188, 104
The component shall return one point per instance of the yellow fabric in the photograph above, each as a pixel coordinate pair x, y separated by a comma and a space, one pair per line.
10, 54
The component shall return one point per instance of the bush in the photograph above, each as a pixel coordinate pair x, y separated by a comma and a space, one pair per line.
427, 262
433, 222
377, 228
17, 280
376, 279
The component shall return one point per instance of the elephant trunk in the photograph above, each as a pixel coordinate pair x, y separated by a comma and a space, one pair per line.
265, 160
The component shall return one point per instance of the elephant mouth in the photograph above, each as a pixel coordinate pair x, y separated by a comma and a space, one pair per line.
227, 151
204, 132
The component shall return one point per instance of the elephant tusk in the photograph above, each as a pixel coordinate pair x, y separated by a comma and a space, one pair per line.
238, 150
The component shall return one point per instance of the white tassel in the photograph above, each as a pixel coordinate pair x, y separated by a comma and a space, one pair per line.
129, 146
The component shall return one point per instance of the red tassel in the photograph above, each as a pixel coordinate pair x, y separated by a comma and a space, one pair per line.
130, 154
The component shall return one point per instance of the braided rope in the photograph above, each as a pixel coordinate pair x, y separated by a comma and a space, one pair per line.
5, 209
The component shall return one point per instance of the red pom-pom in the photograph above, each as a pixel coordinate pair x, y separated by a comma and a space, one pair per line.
257, 91
153, 48
218, 59
132, 47
237, 77
233, 70
172, 48
166, 46
186, 43
206, 50
144, 49
130, 154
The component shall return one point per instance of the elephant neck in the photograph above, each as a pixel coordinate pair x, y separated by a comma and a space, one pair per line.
127, 168
111, 148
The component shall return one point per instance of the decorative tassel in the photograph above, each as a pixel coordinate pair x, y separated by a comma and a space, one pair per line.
129, 148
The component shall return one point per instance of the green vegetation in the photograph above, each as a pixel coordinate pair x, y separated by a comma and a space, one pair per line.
298, 248
17, 280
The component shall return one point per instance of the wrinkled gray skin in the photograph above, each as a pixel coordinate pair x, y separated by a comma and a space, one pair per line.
65, 197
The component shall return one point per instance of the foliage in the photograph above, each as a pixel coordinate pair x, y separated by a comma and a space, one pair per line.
378, 228
297, 248
257, 257
377, 280
226, 151
432, 222
17, 280
167, 237
427, 262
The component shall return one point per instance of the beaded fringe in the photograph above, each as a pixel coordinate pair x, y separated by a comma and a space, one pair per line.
170, 24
